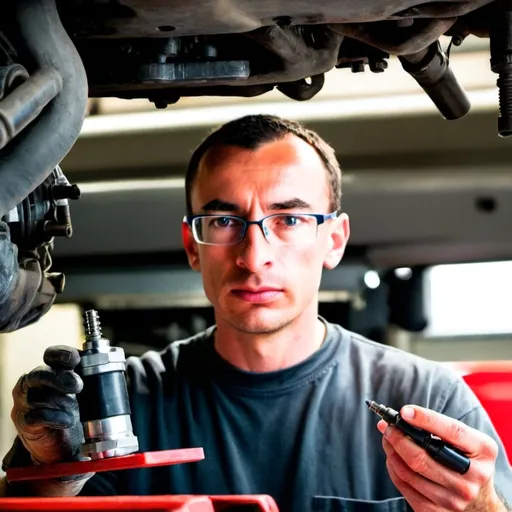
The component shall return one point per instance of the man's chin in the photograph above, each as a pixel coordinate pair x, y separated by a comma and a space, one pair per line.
260, 322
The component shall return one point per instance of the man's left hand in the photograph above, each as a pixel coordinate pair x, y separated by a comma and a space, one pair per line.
427, 485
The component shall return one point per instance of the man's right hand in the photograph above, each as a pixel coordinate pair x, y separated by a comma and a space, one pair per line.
45, 411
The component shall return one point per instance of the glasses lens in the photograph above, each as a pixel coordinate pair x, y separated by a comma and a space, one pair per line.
292, 229
218, 229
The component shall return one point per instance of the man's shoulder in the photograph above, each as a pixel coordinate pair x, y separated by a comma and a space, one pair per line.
155, 366
358, 347
394, 374
375, 354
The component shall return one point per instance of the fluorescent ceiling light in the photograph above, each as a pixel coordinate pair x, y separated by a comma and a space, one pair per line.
328, 109
97, 187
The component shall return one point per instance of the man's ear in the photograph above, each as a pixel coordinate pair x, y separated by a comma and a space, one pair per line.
190, 246
338, 238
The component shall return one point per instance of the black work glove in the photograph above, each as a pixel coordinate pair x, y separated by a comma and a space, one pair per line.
45, 411
47, 419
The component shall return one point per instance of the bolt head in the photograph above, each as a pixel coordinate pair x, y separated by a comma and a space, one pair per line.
357, 67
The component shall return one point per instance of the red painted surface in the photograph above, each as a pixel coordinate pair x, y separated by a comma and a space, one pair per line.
136, 460
492, 384
260, 503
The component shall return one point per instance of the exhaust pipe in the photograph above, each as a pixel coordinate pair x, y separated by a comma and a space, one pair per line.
431, 69
31, 156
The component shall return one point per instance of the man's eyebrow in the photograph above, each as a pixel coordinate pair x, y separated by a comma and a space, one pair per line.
217, 205
291, 204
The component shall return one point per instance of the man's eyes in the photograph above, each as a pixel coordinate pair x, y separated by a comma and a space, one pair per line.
286, 220
222, 222
290, 220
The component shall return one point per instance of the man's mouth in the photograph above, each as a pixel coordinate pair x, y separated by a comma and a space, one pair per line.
257, 295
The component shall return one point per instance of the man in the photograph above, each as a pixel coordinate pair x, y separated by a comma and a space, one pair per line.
274, 394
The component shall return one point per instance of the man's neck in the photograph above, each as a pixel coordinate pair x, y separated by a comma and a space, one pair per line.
271, 351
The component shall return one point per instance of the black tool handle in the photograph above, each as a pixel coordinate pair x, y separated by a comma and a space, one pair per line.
447, 455
443, 453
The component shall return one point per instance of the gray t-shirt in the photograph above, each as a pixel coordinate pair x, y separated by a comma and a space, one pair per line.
302, 435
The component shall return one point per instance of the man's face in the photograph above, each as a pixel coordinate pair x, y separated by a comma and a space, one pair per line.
255, 286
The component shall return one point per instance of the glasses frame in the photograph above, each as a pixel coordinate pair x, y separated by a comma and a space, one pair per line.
320, 219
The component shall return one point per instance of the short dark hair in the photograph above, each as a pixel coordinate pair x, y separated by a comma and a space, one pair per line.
252, 131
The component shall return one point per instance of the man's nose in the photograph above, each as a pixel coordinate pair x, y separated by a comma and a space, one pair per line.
255, 252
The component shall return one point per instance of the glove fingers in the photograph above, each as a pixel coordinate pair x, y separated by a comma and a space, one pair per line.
43, 397
61, 357
63, 382
52, 418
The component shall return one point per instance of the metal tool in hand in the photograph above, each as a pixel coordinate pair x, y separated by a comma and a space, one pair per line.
442, 452
103, 402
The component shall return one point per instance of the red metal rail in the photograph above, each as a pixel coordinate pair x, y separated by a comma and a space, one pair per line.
252, 503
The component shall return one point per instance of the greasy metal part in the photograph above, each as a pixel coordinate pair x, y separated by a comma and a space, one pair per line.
378, 65
501, 62
430, 68
193, 72
26, 243
104, 405
441, 9
396, 40
31, 157
357, 67
10, 77
197, 63
294, 41
302, 89
300, 52
244, 65
60, 192
152, 18
26, 102
44, 213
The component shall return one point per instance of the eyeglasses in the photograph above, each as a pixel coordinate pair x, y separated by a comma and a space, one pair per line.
280, 228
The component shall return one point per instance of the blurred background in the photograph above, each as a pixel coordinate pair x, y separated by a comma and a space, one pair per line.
429, 265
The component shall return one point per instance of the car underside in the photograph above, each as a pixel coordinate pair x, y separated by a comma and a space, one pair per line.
56, 55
